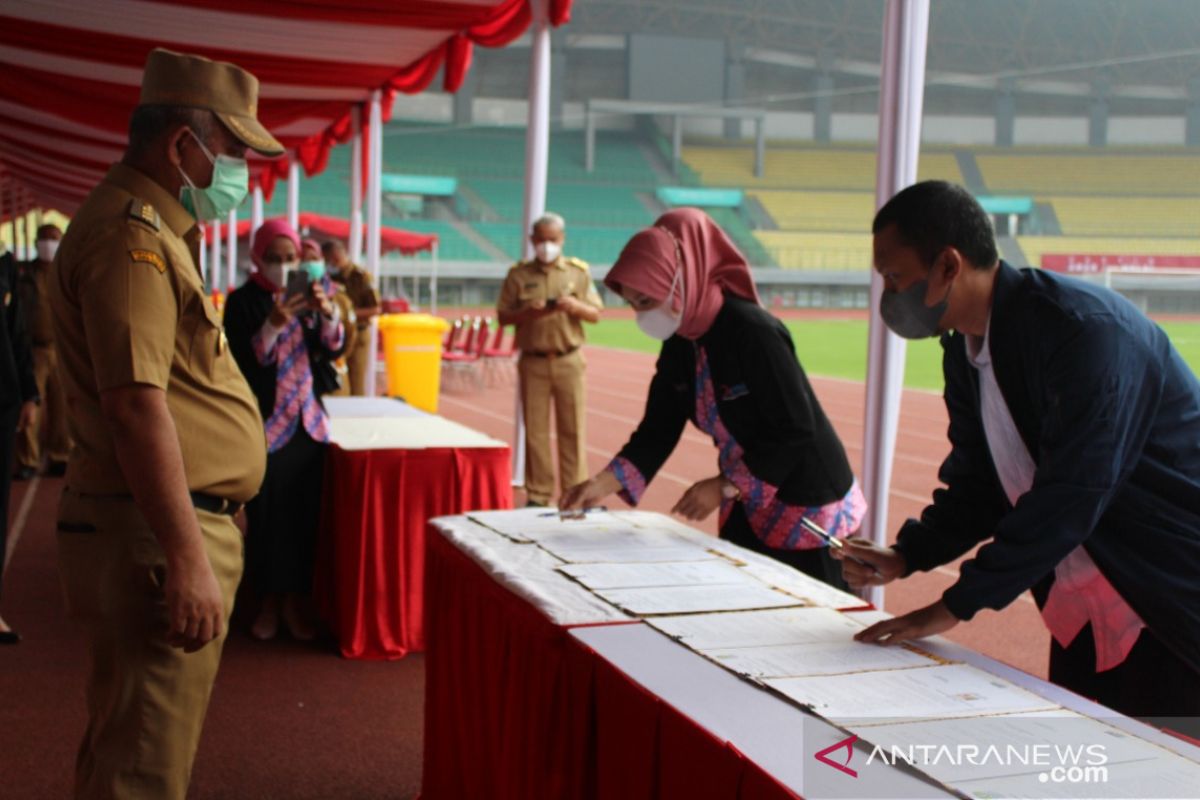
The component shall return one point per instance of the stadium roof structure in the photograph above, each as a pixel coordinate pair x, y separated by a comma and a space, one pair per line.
71, 72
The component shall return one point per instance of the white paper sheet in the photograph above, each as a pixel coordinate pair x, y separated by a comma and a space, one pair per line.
941, 692
404, 433
531, 524
671, 573
816, 658
759, 628
1006, 756
621, 546
695, 599
796, 583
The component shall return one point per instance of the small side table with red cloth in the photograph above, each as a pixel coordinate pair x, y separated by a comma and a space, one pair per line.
390, 469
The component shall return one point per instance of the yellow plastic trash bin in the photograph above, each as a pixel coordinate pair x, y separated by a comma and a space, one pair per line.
412, 347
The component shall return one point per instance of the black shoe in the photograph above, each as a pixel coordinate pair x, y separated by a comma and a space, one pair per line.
57, 469
24, 473
9, 637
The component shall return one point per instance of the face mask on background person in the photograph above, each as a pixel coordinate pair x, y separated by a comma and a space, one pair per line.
315, 269
230, 183
906, 314
46, 248
659, 323
548, 252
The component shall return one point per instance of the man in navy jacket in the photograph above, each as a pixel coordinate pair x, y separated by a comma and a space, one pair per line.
1075, 452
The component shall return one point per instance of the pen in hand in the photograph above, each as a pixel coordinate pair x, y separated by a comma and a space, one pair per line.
578, 513
836, 544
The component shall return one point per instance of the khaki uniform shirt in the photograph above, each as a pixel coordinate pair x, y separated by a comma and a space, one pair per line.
129, 308
361, 288
530, 281
35, 303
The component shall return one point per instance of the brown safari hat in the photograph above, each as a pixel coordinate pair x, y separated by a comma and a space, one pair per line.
230, 92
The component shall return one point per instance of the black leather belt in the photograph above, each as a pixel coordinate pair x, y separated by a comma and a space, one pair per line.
548, 353
215, 505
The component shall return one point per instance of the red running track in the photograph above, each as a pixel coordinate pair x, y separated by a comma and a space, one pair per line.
617, 382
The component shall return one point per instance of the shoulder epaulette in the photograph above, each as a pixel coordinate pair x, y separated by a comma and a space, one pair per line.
144, 213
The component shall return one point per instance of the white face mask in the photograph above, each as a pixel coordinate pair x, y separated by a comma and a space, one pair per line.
278, 273
659, 323
548, 252
46, 248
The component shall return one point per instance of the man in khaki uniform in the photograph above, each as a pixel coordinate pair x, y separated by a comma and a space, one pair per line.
168, 439
51, 427
359, 286
548, 299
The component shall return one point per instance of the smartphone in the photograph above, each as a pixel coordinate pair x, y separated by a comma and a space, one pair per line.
297, 283
552, 302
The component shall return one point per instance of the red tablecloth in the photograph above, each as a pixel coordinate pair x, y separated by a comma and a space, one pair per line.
370, 577
516, 708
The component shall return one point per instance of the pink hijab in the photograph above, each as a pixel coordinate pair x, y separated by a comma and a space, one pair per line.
712, 265
263, 237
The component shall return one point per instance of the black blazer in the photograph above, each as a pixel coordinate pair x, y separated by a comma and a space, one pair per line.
1111, 416
246, 309
763, 398
16, 357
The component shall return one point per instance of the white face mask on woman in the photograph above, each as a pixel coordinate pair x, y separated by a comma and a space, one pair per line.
660, 323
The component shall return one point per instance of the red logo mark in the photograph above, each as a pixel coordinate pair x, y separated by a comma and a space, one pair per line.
848, 744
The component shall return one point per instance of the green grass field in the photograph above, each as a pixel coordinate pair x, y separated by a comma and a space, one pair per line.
838, 348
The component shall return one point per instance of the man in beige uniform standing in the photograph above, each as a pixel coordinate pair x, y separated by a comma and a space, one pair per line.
357, 283
169, 441
51, 427
548, 299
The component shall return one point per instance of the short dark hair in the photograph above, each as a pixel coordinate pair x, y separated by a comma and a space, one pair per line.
329, 246
148, 123
933, 215
46, 228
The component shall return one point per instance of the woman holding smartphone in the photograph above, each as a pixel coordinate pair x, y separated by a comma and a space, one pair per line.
284, 340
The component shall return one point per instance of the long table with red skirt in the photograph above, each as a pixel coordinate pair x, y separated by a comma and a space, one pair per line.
536, 688
389, 470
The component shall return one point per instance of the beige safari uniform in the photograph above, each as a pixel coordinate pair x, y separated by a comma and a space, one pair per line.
51, 427
129, 308
359, 286
551, 367
346, 307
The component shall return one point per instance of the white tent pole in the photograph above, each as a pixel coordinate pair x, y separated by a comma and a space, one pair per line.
293, 195
356, 213
901, 100
537, 159
374, 175
369, 383
203, 254
214, 272
256, 212
231, 273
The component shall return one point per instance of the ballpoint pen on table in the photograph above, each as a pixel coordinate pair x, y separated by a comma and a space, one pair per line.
574, 513
836, 544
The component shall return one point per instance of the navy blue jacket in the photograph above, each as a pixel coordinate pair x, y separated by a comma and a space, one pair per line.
1111, 416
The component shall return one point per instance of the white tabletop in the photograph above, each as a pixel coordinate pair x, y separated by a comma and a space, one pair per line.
380, 423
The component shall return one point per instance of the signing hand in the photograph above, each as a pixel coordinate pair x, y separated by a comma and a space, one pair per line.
28, 415
888, 564
590, 492
700, 500
195, 611
286, 308
928, 621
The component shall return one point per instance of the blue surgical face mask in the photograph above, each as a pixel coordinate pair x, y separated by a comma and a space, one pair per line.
906, 314
230, 183
315, 269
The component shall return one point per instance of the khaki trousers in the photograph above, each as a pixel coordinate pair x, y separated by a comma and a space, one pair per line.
50, 430
560, 380
146, 700
356, 362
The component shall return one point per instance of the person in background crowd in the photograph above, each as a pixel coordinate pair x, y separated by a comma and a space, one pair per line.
18, 401
1075, 456
360, 287
51, 428
730, 367
168, 443
312, 261
548, 298
285, 337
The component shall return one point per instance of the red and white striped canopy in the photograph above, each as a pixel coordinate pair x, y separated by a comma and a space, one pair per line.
70, 72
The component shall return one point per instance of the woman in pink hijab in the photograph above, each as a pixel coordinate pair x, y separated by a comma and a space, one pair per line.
729, 367
284, 335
